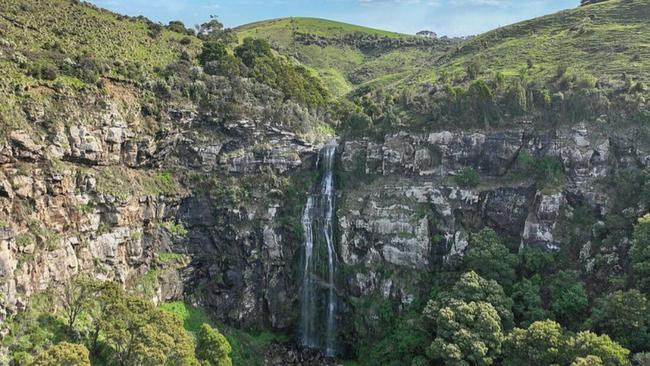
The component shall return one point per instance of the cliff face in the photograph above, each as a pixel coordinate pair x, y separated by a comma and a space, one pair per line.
89, 188
402, 214
208, 210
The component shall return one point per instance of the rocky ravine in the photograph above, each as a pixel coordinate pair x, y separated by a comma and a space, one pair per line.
399, 213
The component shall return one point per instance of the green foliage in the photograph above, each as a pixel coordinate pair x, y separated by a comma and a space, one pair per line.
588, 361
64, 354
569, 302
467, 178
481, 100
547, 172
586, 344
174, 227
212, 348
473, 69
546, 343
82, 42
249, 348
193, 317
473, 288
294, 81
640, 254
136, 332
34, 330
624, 317
541, 344
118, 328
124, 183
401, 339
466, 333
490, 258
468, 322
358, 123
527, 303
217, 59
213, 51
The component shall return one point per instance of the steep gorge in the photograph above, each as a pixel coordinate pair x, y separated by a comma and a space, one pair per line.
244, 209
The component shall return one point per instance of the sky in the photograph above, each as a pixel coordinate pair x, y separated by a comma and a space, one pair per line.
445, 17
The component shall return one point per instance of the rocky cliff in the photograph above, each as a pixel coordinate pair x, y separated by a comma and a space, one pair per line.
208, 210
191, 211
403, 213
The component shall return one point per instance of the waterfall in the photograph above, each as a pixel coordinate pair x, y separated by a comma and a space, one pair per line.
318, 291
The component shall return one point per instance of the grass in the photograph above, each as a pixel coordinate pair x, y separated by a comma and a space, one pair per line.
192, 317
248, 348
281, 30
607, 39
126, 183
341, 67
77, 29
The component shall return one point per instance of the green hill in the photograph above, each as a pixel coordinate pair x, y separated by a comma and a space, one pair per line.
345, 56
605, 39
281, 30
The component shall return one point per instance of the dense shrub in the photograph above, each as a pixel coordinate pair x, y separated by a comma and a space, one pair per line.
467, 178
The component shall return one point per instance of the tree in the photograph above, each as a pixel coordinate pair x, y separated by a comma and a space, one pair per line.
467, 322
588, 361
212, 51
490, 258
641, 359
624, 317
217, 60
473, 288
481, 100
586, 344
140, 334
64, 354
569, 301
252, 49
466, 333
527, 303
640, 254
179, 27
473, 69
76, 296
538, 345
212, 348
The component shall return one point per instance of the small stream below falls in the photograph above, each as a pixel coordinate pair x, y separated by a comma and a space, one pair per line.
318, 302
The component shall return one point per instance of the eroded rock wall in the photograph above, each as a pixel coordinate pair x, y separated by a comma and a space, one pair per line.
402, 214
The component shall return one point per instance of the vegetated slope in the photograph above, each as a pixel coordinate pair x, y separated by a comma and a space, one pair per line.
47, 32
344, 55
281, 30
606, 39
575, 65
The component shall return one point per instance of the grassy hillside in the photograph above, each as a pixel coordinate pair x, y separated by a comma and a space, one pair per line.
56, 30
607, 39
341, 63
281, 30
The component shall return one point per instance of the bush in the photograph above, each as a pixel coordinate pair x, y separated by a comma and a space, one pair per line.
43, 70
213, 51
547, 172
473, 69
212, 347
467, 178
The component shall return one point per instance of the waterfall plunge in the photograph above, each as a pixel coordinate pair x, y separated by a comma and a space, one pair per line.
318, 292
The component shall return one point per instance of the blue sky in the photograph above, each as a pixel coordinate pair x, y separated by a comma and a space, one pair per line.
446, 17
